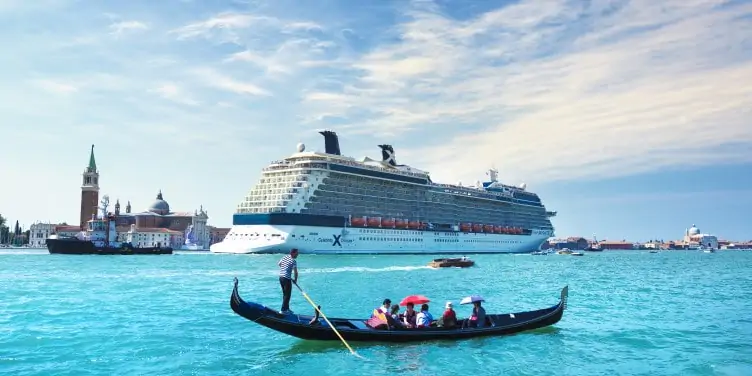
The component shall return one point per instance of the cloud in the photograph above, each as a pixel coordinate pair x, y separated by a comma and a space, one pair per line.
172, 92
556, 90
215, 79
55, 87
227, 26
122, 27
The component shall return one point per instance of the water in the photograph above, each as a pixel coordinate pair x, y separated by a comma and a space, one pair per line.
629, 313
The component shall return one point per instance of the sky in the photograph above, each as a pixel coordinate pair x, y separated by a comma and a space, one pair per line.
631, 119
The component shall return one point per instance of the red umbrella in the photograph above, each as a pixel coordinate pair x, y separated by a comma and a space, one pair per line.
415, 299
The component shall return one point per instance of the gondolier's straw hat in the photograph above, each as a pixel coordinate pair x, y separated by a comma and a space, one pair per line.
448, 305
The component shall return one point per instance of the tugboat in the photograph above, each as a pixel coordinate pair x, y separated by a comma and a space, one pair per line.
462, 262
100, 238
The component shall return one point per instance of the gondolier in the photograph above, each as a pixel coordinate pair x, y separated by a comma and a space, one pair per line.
288, 274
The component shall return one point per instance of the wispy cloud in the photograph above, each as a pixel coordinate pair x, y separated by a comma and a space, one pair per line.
53, 86
559, 90
218, 80
122, 27
173, 92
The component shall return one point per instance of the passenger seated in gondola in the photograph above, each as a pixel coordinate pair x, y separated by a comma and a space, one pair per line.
478, 318
380, 318
410, 316
382, 311
449, 318
424, 318
394, 318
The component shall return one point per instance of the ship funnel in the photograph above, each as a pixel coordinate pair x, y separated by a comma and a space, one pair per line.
387, 154
331, 142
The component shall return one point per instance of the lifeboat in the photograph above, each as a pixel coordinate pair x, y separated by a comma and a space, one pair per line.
498, 229
423, 225
516, 230
374, 222
505, 230
358, 221
400, 223
488, 228
413, 225
466, 227
477, 227
387, 222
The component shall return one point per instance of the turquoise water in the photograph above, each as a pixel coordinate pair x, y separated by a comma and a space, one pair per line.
629, 313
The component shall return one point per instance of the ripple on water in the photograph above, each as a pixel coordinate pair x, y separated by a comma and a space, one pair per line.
630, 313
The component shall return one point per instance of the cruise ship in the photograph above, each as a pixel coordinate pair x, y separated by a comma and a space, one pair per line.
327, 203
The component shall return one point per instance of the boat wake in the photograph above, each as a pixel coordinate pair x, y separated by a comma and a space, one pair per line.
347, 269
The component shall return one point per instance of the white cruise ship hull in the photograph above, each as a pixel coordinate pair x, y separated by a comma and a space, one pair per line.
279, 239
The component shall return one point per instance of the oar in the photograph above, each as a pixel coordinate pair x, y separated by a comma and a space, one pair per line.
327, 321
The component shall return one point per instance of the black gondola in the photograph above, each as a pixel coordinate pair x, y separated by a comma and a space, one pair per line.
312, 328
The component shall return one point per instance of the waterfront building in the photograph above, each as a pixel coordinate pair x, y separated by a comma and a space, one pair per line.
39, 232
695, 239
622, 245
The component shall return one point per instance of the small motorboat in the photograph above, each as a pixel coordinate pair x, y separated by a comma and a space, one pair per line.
358, 330
462, 262
565, 251
577, 254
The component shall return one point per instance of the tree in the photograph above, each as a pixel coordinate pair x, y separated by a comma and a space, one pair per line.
27, 236
4, 233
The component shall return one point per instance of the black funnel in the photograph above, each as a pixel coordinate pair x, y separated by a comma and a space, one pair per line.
331, 142
387, 154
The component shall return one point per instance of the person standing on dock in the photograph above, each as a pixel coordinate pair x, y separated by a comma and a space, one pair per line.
288, 274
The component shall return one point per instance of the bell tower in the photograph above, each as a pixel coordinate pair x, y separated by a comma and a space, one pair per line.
89, 190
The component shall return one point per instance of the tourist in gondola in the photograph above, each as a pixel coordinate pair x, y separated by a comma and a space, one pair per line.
449, 318
478, 318
424, 318
288, 274
383, 310
410, 316
394, 318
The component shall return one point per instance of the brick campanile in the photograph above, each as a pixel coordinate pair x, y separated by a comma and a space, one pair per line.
89, 190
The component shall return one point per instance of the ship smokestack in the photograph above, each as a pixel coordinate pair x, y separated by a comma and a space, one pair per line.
387, 154
331, 142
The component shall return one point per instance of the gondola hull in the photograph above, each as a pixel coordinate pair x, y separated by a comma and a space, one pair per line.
356, 330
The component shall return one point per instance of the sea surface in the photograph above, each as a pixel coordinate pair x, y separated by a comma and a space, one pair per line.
629, 313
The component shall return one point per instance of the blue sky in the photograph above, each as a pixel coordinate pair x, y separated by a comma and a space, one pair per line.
629, 118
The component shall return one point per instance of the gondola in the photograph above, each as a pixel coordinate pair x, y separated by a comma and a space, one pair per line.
356, 330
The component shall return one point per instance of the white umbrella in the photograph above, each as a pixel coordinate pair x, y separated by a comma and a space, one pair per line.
472, 299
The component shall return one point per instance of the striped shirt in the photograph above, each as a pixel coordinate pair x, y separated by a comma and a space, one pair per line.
286, 264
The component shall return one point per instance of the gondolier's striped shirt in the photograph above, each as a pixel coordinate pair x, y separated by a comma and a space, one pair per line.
286, 264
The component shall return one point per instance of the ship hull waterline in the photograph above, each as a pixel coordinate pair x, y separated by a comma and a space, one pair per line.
276, 239
85, 247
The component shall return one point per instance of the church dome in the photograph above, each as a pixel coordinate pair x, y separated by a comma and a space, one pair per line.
694, 230
159, 206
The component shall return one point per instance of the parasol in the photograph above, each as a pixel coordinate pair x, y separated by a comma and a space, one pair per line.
472, 299
415, 299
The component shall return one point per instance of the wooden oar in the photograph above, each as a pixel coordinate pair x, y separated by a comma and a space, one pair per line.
327, 321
